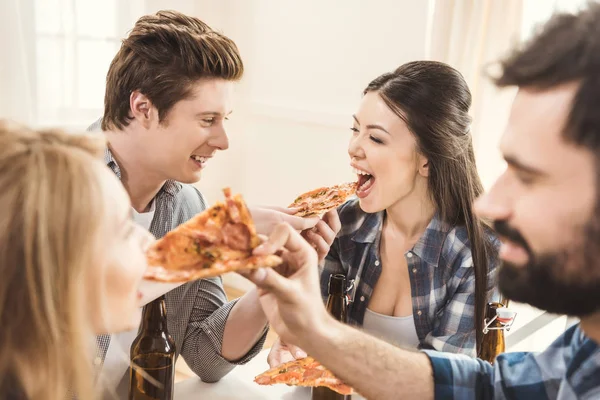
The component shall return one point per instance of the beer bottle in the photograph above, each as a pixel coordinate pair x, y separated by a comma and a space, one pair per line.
336, 305
152, 371
493, 342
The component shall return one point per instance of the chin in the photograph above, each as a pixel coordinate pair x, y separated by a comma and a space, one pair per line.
189, 178
369, 206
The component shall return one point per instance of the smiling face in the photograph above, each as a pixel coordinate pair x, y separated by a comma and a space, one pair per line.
383, 154
546, 209
179, 147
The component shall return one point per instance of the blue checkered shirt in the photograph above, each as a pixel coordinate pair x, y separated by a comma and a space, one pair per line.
442, 277
569, 369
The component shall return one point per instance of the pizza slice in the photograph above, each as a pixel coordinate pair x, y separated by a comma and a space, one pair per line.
303, 372
220, 239
317, 202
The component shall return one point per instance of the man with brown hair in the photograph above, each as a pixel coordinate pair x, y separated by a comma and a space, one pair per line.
167, 96
546, 211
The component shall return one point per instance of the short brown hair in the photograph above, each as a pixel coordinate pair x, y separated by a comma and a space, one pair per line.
162, 57
566, 49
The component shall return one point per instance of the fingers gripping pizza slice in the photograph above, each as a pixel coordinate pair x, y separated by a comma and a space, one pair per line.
303, 372
220, 239
318, 201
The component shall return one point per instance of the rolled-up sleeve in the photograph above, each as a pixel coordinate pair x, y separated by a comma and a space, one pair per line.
203, 338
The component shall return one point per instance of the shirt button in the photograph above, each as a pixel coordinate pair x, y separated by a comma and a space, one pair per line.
377, 263
419, 312
409, 254
97, 361
362, 298
414, 270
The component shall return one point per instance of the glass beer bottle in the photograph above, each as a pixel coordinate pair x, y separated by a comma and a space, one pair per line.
152, 371
336, 305
493, 342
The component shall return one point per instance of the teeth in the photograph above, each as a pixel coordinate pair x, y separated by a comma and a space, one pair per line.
199, 159
359, 172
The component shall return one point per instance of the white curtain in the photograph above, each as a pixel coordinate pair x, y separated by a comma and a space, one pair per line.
468, 35
16, 75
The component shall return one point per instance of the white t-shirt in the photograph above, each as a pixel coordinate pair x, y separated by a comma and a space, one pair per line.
116, 361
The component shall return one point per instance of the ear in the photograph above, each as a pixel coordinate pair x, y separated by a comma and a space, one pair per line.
142, 109
423, 166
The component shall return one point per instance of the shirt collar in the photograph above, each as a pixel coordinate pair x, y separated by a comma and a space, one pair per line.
434, 236
170, 187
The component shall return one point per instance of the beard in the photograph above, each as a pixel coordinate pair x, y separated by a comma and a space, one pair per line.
564, 281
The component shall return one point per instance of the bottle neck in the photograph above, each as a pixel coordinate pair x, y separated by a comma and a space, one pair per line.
336, 303
154, 316
337, 285
490, 313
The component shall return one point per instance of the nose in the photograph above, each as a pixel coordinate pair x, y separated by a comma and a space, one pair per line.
219, 139
355, 149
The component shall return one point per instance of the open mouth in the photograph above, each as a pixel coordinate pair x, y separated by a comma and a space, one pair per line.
365, 182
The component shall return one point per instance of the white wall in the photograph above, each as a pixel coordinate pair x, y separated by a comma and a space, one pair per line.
306, 66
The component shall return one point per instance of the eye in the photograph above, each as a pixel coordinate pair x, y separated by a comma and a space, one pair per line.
525, 179
208, 121
354, 130
374, 139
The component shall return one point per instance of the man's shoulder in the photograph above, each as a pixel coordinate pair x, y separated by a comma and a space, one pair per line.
189, 201
96, 126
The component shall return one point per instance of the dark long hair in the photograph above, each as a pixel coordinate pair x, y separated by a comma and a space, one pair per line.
433, 100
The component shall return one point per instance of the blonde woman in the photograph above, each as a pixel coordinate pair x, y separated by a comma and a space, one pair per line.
71, 260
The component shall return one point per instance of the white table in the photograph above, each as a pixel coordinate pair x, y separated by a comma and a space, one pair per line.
239, 384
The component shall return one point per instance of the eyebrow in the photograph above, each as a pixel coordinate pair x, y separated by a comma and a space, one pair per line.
517, 164
212, 114
372, 126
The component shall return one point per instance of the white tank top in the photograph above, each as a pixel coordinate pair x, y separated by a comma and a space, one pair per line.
399, 331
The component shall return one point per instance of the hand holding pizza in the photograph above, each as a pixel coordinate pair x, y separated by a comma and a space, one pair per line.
290, 294
321, 237
282, 352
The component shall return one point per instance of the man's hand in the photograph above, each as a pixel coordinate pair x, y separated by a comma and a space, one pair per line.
289, 294
267, 218
323, 234
281, 353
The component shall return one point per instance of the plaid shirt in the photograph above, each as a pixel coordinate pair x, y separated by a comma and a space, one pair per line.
196, 311
568, 369
440, 267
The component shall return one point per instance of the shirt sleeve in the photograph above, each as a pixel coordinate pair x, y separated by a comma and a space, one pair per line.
203, 339
518, 375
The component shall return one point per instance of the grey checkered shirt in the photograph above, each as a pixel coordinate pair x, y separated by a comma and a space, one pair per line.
196, 311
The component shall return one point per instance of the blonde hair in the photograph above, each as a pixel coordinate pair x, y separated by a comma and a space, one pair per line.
51, 203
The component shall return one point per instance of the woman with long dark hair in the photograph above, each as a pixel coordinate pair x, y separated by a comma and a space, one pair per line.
419, 262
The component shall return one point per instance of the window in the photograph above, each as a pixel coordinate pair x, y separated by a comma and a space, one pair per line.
75, 41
